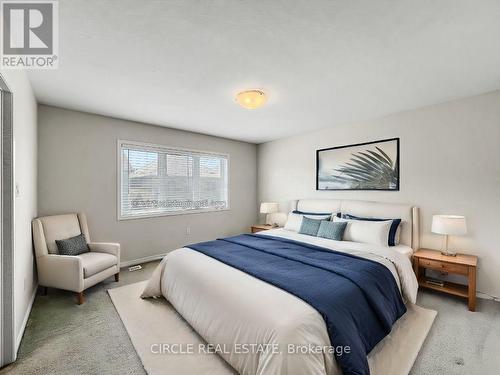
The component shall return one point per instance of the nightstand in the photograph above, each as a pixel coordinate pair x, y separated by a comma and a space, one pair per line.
460, 264
260, 227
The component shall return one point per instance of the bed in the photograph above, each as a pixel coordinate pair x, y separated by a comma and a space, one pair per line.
250, 320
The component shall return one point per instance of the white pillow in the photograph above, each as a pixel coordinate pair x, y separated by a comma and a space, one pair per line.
374, 232
294, 220
398, 234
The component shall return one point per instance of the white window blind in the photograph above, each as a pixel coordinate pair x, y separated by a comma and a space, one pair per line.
157, 180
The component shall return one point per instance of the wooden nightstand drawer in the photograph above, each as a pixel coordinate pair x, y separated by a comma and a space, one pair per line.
443, 266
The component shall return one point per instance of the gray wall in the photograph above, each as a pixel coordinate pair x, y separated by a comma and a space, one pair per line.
450, 163
25, 203
78, 168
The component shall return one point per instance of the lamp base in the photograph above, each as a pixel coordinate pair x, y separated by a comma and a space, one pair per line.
445, 250
448, 254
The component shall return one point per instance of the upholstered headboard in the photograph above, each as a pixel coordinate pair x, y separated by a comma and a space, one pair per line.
407, 213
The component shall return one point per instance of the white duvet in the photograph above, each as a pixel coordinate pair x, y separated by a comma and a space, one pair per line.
248, 319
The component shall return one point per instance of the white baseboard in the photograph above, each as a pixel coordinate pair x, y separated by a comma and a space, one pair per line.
141, 260
487, 296
25, 320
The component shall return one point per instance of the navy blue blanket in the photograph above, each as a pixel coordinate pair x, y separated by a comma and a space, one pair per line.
358, 298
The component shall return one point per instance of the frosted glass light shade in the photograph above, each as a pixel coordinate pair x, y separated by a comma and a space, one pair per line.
449, 224
251, 99
268, 208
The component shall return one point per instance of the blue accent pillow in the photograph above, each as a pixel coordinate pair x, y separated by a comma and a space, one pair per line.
310, 226
332, 230
391, 241
314, 214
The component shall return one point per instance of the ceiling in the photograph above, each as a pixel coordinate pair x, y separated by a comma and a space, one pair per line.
323, 63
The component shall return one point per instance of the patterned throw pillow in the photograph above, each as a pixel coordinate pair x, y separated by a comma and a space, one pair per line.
332, 230
310, 226
73, 246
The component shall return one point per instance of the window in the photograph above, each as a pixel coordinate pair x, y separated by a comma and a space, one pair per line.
156, 180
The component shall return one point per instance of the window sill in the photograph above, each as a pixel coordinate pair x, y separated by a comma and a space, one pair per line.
176, 213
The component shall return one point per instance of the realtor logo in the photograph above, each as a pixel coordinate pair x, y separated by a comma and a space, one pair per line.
29, 34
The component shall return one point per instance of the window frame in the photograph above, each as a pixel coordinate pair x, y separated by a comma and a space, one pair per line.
145, 145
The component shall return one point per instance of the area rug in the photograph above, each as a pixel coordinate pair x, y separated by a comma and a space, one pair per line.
151, 323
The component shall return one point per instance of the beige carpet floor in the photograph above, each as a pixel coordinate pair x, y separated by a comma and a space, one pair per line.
153, 322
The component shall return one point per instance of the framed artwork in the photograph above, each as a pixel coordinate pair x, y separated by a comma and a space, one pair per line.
362, 166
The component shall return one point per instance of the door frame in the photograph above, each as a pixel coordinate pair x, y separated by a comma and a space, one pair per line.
7, 323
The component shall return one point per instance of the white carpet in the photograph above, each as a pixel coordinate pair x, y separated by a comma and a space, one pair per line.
153, 322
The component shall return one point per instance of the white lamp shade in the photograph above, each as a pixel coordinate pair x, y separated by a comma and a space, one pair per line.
268, 208
449, 224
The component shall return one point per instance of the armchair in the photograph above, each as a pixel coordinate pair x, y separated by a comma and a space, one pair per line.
74, 273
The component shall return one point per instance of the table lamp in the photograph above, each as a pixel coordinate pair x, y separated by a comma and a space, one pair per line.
268, 208
449, 225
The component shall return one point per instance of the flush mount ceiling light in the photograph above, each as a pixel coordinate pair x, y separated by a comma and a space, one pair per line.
251, 99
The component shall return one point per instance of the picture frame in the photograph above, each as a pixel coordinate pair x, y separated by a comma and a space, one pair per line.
371, 165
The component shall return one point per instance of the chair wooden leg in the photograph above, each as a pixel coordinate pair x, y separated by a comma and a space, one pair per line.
80, 299
117, 277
